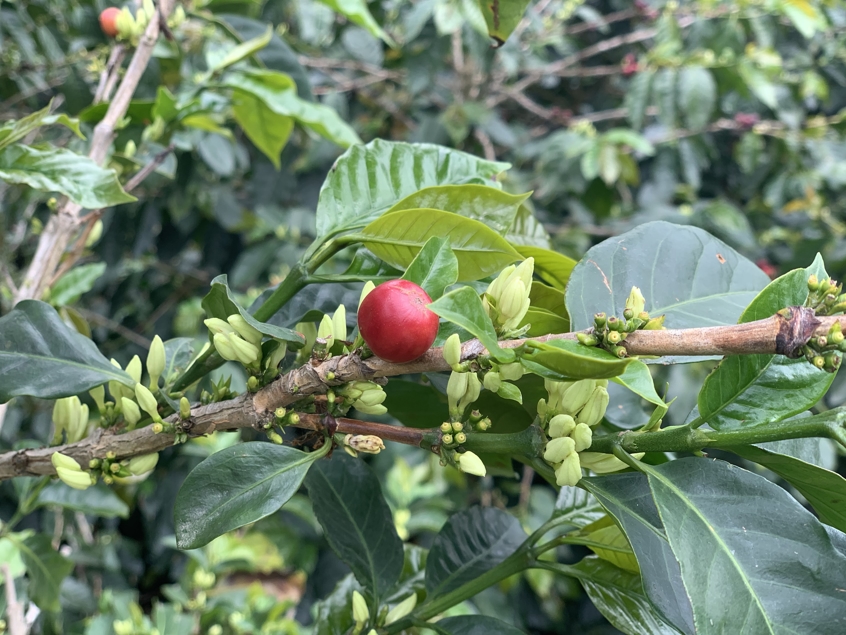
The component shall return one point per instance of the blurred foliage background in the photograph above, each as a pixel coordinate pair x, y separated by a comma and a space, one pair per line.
724, 115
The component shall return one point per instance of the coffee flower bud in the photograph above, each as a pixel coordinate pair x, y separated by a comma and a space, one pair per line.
360, 611
133, 368
184, 408
70, 472
339, 323
583, 436
595, 407
142, 464
511, 372
559, 449
511, 300
245, 329
402, 609
375, 409
604, 463
576, 396
367, 443
635, 302
147, 402
98, 394
224, 347
569, 472
496, 287
470, 463
156, 361
325, 331
452, 350
64, 461
474, 388
561, 426
492, 381
245, 352
216, 325
365, 291
456, 387
131, 412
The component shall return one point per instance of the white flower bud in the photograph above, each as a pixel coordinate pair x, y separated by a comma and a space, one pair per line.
365, 291
511, 372
569, 472
245, 329
492, 381
142, 464
64, 461
131, 411
470, 463
360, 611
636, 302
595, 408
245, 352
339, 323
326, 331
216, 325
156, 361
147, 401
133, 368
559, 449
75, 478
452, 350
583, 436
561, 426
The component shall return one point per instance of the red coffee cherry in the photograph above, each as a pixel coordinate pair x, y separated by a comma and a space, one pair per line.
395, 323
108, 21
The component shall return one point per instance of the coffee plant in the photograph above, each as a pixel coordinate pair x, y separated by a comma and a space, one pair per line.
277, 364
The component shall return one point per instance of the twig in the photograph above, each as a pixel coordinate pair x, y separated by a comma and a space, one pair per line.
14, 610
485, 141
109, 76
118, 328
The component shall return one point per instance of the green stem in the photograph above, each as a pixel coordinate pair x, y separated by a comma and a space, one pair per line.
528, 443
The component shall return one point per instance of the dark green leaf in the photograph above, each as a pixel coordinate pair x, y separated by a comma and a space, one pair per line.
553, 267
475, 625
755, 389
235, 487
415, 405
824, 489
60, 170
471, 543
358, 13
697, 96
628, 499
220, 303
463, 307
178, 354
45, 568
268, 131
242, 50
367, 180
619, 596
333, 615
772, 560
40, 356
637, 97
98, 500
75, 282
397, 237
311, 303
707, 284
578, 506
434, 267
357, 522
489, 205
569, 360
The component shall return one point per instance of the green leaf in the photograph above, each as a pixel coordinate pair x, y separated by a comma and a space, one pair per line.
527, 230
60, 170
627, 498
415, 405
502, 17
684, 273
434, 267
755, 389
357, 521
45, 568
616, 548
568, 360
463, 307
358, 13
98, 500
40, 356
242, 51
15, 130
471, 543
638, 379
544, 322
637, 97
664, 94
367, 180
11, 555
697, 96
772, 561
619, 596
75, 282
554, 268
278, 92
333, 614
268, 131
178, 354
397, 237
220, 303
475, 625
578, 506
548, 298
510, 392
489, 205
758, 82
234, 487
824, 489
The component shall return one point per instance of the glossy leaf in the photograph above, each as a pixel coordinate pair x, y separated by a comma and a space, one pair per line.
569, 360
178, 354
627, 498
544, 322
40, 356
242, 51
463, 307
543, 296
277, 91
358, 13
367, 180
357, 522
98, 500
474, 625
554, 268
268, 130
397, 237
311, 303
471, 543
15, 130
615, 548
708, 284
638, 379
75, 282
824, 489
528, 230
45, 568
489, 205
503, 17
619, 596
220, 303
578, 506
771, 560
755, 389
434, 267
61, 170
234, 487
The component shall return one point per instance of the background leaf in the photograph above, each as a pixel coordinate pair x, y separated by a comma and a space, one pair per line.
75, 282
98, 500
475, 625
45, 568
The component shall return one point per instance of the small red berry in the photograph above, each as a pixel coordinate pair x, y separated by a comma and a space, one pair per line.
395, 323
768, 268
108, 21
630, 65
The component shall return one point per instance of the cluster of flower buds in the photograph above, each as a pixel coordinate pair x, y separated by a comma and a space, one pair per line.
70, 417
131, 470
610, 332
570, 414
361, 613
70, 472
823, 351
462, 390
825, 297
366, 443
236, 340
130, 28
506, 299
600, 463
332, 329
364, 396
